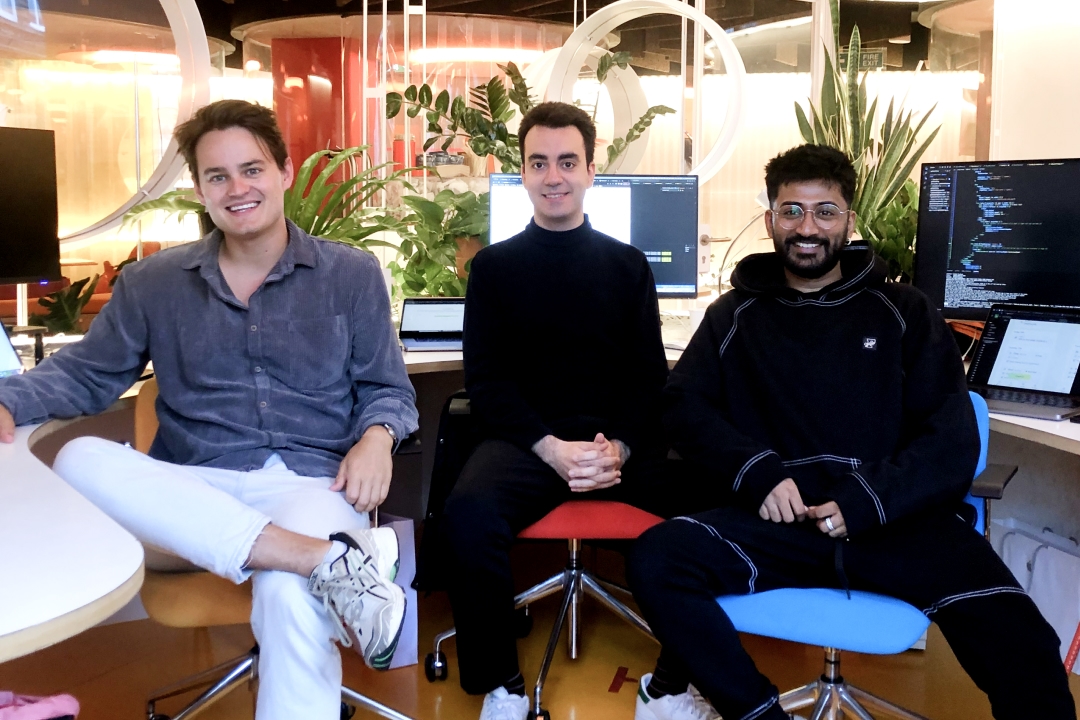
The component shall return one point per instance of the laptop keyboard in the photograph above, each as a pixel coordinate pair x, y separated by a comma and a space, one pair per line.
1030, 398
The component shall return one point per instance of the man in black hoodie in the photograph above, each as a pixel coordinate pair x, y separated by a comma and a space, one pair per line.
564, 366
831, 407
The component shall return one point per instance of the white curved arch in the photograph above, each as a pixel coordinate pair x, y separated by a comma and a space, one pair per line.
194, 53
581, 42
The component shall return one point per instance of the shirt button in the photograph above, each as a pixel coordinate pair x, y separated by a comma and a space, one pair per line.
254, 328
262, 404
258, 369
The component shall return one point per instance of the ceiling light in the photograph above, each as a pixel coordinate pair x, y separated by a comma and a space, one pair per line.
900, 40
120, 57
253, 66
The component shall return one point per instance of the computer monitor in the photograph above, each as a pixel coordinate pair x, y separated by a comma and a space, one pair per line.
999, 232
658, 214
29, 246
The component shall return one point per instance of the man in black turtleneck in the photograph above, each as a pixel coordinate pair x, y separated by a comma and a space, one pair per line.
564, 367
831, 407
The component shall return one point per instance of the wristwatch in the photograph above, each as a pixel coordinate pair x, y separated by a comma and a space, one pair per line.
390, 430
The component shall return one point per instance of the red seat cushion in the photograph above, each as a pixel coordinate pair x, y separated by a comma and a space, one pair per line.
591, 520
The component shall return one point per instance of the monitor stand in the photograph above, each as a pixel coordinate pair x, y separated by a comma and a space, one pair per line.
22, 305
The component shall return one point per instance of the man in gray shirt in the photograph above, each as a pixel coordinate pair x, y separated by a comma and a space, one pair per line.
282, 396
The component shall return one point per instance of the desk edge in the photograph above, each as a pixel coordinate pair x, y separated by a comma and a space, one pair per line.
31, 639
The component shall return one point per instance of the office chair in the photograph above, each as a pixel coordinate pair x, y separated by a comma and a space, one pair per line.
866, 623
199, 599
572, 521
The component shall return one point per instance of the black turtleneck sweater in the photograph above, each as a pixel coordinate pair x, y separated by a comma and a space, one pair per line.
562, 337
856, 392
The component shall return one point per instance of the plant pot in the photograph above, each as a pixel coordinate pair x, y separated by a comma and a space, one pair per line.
467, 247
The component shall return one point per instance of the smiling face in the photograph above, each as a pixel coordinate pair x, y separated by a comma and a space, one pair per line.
555, 174
808, 251
241, 186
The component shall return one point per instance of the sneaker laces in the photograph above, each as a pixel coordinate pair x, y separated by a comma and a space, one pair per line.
688, 706
503, 707
701, 705
348, 590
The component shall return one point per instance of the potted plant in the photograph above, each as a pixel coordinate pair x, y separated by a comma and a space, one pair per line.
884, 154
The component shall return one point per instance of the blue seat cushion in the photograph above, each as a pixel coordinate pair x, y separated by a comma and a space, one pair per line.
865, 623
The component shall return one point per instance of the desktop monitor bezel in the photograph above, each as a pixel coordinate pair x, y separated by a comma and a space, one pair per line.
697, 209
43, 262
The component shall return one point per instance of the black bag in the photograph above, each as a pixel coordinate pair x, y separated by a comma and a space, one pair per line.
457, 439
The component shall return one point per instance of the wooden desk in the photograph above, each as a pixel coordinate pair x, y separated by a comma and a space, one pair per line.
65, 566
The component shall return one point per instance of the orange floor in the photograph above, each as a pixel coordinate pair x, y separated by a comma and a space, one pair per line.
111, 669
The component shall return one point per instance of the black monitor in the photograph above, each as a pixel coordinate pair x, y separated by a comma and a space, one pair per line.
29, 245
999, 232
658, 214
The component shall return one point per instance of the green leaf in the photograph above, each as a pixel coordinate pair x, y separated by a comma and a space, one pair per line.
410, 93
425, 95
457, 108
804, 125
175, 203
414, 110
393, 104
520, 94
430, 141
603, 66
447, 143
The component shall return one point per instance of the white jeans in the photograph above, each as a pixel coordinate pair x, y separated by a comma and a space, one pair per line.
212, 517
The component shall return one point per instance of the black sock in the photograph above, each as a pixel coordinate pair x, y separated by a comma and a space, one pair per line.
515, 685
664, 682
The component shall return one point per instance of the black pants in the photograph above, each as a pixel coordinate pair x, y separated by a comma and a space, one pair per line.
934, 561
501, 491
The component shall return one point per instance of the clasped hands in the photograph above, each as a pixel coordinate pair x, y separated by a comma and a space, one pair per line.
785, 504
583, 465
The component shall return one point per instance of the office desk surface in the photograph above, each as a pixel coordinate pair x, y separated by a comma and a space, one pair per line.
64, 565
1063, 435
428, 362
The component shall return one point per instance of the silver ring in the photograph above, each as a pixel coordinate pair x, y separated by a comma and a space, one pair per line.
828, 524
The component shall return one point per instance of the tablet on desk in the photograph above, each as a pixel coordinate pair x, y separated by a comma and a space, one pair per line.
10, 363
432, 324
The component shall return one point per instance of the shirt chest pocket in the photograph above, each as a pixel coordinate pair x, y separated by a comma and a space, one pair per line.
308, 354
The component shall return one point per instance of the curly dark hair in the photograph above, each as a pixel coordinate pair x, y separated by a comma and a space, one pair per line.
559, 115
809, 163
224, 114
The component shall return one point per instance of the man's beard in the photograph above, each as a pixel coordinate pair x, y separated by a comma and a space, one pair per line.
819, 269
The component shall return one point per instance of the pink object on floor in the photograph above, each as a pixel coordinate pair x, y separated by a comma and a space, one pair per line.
25, 707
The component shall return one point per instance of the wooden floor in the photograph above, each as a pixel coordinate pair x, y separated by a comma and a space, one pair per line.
111, 669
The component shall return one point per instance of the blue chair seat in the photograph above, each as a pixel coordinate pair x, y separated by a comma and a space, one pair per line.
866, 623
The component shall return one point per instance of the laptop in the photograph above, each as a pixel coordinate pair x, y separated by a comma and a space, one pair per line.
432, 324
1027, 360
10, 363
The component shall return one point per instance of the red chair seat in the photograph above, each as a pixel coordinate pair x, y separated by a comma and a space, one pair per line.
591, 520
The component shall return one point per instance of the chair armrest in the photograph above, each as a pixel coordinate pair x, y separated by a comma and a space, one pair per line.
992, 481
460, 406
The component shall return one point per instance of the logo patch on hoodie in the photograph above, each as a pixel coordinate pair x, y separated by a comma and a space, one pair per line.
869, 343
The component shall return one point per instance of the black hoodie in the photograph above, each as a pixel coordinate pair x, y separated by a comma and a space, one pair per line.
856, 392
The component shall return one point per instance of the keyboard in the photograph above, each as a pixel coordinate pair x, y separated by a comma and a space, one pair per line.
1031, 398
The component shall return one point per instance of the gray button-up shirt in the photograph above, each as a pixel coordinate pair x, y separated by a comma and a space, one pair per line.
302, 371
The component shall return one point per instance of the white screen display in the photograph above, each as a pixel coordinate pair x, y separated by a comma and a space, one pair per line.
1038, 355
608, 209
431, 317
10, 364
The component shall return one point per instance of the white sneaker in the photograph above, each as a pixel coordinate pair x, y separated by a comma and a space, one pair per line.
501, 705
689, 705
358, 593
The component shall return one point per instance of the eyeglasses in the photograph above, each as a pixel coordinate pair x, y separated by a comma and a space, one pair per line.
825, 216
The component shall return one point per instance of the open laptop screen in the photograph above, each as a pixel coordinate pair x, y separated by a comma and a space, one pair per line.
1029, 349
10, 364
431, 316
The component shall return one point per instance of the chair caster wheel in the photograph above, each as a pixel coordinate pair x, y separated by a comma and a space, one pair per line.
347, 711
542, 715
435, 666
524, 622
